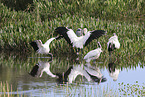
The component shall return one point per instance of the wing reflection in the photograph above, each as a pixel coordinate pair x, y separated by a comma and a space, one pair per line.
38, 69
90, 73
113, 71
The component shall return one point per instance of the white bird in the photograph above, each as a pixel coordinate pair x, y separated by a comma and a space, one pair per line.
42, 48
113, 43
90, 74
113, 71
78, 42
38, 69
93, 54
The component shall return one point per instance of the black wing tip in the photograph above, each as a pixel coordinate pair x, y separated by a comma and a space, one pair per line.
94, 35
34, 71
61, 28
34, 45
101, 31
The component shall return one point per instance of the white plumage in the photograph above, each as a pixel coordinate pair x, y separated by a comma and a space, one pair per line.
94, 54
78, 70
113, 71
113, 43
79, 42
90, 74
41, 67
42, 48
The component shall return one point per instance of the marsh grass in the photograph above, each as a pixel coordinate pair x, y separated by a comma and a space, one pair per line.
132, 89
6, 90
37, 20
18, 28
80, 90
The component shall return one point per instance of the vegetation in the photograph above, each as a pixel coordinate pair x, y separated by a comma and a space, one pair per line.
38, 19
132, 89
22, 21
125, 90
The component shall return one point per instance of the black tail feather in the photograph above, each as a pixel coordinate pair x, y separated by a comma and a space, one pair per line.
62, 31
34, 71
34, 45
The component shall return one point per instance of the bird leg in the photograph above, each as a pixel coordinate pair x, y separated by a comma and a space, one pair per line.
110, 52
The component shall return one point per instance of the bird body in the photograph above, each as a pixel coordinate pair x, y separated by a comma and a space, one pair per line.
113, 71
94, 54
113, 43
42, 48
38, 69
78, 42
79, 69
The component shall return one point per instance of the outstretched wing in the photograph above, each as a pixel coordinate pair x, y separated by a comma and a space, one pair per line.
34, 45
34, 70
94, 35
63, 32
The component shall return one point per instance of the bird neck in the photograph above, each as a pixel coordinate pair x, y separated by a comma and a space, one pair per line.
49, 41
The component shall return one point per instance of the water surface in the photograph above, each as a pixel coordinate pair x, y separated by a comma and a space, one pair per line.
92, 79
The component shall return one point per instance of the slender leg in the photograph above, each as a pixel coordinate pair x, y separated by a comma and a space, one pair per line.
110, 52
41, 74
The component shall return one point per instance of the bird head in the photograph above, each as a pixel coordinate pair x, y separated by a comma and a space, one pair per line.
79, 29
39, 42
114, 34
79, 32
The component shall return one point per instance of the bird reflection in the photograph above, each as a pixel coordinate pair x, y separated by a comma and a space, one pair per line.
38, 69
91, 74
113, 71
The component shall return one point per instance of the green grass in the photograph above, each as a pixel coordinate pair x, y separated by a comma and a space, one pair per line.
20, 27
38, 20
22, 21
132, 89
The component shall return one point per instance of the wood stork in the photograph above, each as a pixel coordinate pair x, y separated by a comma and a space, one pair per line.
38, 69
113, 71
78, 42
42, 48
113, 43
79, 69
93, 54
94, 73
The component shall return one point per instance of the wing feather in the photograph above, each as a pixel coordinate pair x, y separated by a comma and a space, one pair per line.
94, 35
63, 32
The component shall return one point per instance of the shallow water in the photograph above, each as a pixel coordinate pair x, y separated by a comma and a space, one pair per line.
92, 79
